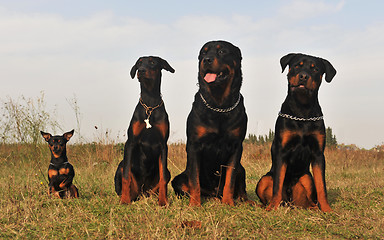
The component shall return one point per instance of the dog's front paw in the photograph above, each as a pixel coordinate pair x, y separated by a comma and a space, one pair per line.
228, 201
125, 199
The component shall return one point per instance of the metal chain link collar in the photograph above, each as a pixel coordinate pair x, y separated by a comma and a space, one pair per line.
58, 165
220, 110
149, 110
312, 119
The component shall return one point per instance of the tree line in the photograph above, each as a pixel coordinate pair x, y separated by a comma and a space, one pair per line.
330, 138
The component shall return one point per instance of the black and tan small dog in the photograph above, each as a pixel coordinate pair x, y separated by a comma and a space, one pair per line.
299, 139
144, 167
60, 171
216, 128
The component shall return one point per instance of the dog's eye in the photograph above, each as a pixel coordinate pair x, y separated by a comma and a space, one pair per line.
204, 51
314, 68
152, 63
222, 51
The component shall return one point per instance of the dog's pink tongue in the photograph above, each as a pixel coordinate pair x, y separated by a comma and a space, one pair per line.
210, 77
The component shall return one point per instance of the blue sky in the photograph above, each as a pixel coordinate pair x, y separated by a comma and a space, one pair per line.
86, 49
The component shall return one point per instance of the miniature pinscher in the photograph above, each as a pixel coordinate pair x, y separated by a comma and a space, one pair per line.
60, 171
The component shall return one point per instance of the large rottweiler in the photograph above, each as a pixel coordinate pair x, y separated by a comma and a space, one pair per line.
299, 139
216, 128
144, 167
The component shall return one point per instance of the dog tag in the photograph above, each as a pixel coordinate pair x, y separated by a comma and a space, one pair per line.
147, 124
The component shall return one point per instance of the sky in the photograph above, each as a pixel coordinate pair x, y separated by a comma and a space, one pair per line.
84, 50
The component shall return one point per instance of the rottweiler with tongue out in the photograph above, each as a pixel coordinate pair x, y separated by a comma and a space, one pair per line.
216, 127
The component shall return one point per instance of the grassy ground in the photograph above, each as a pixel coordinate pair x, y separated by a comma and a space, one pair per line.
355, 181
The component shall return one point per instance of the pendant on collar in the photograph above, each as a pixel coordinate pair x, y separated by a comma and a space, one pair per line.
147, 124
148, 111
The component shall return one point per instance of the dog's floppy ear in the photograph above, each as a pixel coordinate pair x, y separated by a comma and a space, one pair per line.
68, 135
134, 69
237, 52
165, 65
284, 61
46, 136
330, 71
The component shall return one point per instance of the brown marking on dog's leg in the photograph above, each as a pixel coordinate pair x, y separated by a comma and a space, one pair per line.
228, 187
163, 201
195, 197
300, 196
264, 189
320, 137
278, 196
309, 187
62, 184
74, 193
194, 192
318, 177
129, 189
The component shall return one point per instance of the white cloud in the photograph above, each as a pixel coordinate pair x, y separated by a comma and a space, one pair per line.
302, 9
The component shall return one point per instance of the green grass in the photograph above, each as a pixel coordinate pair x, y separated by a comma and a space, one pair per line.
355, 182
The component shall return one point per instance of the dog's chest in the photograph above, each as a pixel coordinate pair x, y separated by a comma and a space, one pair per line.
218, 147
297, 140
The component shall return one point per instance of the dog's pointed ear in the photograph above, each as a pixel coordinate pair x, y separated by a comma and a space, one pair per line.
46, 136
68, 135
134, 69
330, 71
165, 65
284, 61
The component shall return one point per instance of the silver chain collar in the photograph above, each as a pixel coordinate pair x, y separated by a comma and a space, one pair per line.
220, 110
312, 119
57, 165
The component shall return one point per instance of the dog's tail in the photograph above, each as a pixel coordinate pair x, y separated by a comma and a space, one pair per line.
118, 178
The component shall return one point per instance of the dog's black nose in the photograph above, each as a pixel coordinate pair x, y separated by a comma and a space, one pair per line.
303, 76
208, 60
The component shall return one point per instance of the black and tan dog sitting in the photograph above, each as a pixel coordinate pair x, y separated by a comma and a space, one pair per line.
216, 128
299, 139
60, 171
144, 167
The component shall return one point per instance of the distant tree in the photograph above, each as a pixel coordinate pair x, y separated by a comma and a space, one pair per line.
271, 135
261, 139
252, 138
330, 138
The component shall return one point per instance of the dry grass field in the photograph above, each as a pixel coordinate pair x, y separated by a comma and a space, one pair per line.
355, 181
